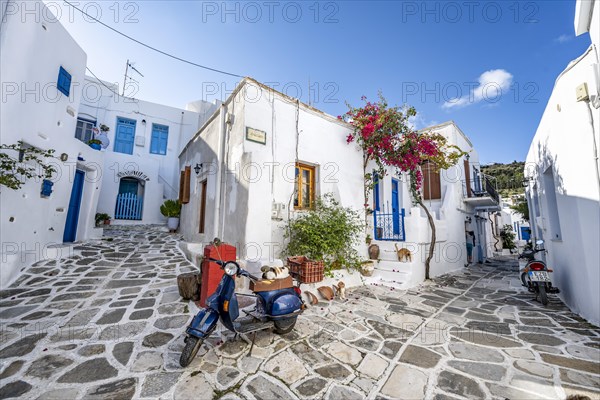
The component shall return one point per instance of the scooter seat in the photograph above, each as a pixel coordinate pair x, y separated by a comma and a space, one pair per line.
266, 285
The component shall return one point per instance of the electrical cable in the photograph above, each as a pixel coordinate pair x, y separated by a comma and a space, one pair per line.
153, 48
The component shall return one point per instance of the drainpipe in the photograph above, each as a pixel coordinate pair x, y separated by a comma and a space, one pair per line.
220, 169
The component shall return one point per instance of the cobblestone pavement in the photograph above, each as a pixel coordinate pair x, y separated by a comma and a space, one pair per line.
107, 323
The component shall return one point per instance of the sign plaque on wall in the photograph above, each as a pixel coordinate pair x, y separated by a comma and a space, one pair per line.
254, 135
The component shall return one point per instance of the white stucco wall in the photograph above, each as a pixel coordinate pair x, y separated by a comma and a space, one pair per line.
33, 110
564, 145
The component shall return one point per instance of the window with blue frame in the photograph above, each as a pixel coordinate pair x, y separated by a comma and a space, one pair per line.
160, 138
64, 81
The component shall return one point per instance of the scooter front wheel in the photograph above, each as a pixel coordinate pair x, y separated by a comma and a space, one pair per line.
286, 325
192, 345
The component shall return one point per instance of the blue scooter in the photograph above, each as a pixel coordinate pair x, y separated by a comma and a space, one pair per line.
274, 308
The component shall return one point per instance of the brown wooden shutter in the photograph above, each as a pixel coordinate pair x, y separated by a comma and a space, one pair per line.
202, 221
432, 187
468, 177
184, 185
181, 181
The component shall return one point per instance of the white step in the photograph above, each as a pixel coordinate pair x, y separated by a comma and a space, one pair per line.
377, 281
392, 276
395, 266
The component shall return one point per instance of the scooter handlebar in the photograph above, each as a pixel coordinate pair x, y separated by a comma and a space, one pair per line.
241, 271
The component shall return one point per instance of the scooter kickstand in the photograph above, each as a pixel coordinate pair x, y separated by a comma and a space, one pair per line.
252, 345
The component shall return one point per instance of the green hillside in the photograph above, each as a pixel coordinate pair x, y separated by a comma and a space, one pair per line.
509, 177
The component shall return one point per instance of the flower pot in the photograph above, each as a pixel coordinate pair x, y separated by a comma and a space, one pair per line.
173, 223
367, 268
107, 222
95, 146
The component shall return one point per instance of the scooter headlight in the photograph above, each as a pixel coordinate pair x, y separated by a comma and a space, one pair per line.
230, 269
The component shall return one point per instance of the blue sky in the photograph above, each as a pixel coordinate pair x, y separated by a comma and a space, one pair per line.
490, 66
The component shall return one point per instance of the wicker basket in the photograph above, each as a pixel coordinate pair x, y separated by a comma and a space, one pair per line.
305, 270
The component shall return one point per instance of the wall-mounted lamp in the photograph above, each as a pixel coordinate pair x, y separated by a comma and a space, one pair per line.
198, 168
526, 181
144, 121
468, 156
468, 220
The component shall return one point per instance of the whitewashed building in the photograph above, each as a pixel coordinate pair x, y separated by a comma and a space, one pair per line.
562, 169
40, 105
140, 149
241, 169
460, 199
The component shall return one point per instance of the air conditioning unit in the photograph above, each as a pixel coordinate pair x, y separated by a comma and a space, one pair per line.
140, 141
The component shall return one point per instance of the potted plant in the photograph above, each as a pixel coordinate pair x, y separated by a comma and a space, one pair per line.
95, 144
368, 239
104, 128
171, 209
102, 219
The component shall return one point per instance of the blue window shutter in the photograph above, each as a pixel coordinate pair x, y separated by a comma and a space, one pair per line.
376, 190
154, 142
63, 82
163, 143
160, 138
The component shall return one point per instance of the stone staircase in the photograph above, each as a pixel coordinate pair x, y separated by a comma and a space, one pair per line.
388, 270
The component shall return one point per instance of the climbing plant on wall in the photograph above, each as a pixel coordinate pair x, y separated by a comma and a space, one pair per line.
20, 162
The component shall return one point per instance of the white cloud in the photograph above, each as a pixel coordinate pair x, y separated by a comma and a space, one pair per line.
419, 122
491, 86
563, 38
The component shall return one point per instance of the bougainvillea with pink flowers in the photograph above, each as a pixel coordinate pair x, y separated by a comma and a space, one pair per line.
388, 139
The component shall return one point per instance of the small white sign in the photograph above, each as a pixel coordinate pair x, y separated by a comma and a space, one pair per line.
255, 135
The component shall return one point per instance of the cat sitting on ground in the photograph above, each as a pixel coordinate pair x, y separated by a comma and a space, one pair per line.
403, 254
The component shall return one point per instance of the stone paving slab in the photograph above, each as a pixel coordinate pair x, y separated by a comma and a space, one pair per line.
108, 323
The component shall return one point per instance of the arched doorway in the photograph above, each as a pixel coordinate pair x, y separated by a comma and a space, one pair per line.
130, 199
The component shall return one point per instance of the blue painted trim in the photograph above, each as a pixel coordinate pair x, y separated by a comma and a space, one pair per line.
376, 190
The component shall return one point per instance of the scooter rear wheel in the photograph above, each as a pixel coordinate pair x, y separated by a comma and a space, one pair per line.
543, 295
283, 326
192, 345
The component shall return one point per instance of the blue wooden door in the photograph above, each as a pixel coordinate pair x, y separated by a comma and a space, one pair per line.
525, 233
128, 185
74, 205
395, 207
124, 135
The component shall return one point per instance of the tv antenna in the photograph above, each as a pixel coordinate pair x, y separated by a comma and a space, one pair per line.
127, 66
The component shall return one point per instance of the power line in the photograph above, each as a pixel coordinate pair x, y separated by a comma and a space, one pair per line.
153, 48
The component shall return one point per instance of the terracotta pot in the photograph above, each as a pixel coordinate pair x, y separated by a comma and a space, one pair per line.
374, 252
